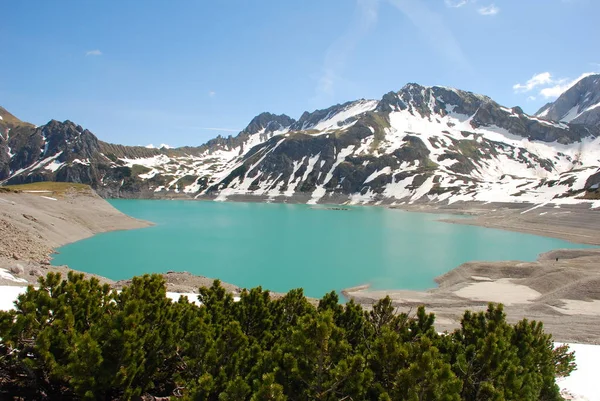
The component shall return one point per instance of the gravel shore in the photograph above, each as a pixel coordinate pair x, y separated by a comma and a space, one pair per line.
33, 223
561, 289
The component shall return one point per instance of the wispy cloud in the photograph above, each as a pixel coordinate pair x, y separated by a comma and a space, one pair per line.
212, 93
562, 86
432, 27
93, 53
531, 98
339, 51
455, 3
554, 91
541, 79
489, 10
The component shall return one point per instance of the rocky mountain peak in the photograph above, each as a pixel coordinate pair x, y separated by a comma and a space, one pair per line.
425, 100
8, 121
69, 138
389, 102
580, 104
269, 123
335, 116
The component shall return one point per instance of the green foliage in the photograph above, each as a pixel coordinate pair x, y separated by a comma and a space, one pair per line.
469, 148
186, 180
77, 339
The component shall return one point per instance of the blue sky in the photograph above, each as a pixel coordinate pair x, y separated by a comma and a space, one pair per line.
182, 72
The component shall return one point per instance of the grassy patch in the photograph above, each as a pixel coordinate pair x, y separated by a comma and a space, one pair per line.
594, 194
429, 164
469, 148
112, 157
379, 122
138, 169
185, 181
55, 188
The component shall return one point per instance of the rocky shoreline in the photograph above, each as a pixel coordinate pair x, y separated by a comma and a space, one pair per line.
570, 222
34, 223
560, 288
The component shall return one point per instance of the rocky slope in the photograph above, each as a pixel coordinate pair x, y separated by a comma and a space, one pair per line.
420, 144
36, 218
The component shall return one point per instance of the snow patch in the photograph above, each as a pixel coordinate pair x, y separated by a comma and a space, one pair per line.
54, 166
336, 120
583, 383
6, 275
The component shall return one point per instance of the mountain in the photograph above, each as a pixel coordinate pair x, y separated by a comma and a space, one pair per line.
420, 144
580, 104
64, 151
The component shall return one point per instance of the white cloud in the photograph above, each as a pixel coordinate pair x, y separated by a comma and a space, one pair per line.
551, 87
489, 10
212, 93
541, 79
455, 3
554, 91
531, 98
562, 86
93, 53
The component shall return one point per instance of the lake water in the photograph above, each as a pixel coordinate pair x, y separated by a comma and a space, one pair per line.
282, 246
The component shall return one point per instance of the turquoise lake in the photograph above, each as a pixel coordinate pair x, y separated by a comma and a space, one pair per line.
281, 246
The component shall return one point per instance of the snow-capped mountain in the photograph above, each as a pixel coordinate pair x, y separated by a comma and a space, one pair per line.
420, 144
580, 104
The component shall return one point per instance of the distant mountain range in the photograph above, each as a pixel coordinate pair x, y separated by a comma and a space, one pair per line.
420, 144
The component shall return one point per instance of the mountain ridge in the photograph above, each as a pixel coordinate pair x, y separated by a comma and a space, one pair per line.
419, 144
